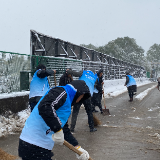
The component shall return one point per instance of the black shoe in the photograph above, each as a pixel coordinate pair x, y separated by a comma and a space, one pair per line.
93, 130
101, 112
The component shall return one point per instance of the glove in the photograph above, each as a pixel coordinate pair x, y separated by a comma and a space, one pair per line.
58, 137
84, 155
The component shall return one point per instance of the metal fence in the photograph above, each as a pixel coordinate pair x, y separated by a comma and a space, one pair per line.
44, 45
11, 65
16, 70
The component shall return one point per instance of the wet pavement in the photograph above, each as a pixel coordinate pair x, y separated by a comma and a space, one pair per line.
128, 134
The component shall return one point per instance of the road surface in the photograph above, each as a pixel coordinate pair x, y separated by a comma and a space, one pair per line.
128, 134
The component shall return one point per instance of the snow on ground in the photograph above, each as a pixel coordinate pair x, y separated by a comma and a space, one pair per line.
115, 87
15, 122
144, 93
13, 94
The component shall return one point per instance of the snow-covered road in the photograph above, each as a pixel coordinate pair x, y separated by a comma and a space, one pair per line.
15, 122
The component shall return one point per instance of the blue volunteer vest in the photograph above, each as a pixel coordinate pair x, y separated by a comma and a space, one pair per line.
36, 130
90, 78
131, 81
38, 86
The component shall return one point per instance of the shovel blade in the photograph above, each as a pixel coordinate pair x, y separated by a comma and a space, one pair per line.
106, 111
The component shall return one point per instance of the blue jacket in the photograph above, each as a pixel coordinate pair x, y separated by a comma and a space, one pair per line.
90, 78
38, 86
37, 132
131, 81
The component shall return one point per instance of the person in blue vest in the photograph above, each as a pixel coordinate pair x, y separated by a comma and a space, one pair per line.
131, 85
87, 102
97, 95
158, 79
39, 84
44, 126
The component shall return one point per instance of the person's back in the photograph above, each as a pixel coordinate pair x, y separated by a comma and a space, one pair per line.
158, 79
66, 78
97, 95
90, 79
39, 84
131, 85
44, 126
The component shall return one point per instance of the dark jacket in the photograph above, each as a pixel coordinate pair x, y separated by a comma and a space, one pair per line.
45, 73
50, 103
66, 80
127, 80
98, 84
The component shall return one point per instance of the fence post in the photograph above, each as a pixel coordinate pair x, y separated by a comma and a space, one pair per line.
24, 80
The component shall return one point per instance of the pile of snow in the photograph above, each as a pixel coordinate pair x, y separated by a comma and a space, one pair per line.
116, 87
13, 94
15, 122
144, 93
156, 135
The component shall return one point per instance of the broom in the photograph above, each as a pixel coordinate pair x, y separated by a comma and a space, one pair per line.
5, 156
71, 147
105, 111
96, 121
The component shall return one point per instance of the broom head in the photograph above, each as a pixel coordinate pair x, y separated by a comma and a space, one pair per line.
5, 156
96, 121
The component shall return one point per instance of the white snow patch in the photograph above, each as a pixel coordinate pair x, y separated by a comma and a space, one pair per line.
135, 117
13, 123
113, 88
148, 127
144, 93
13, 94
156, 135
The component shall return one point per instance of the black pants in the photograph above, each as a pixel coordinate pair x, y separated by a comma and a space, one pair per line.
29, 151
33, 101
96, 101
88, 108
68, 135
131, 90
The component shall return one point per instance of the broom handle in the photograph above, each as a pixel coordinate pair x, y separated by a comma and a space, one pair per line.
104, 99
55, 80
71, 147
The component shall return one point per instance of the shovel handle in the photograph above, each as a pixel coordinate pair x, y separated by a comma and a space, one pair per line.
71, 147
104, 99
55, 79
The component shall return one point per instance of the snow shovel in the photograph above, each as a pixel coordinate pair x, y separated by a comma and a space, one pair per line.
105, 111
71, 147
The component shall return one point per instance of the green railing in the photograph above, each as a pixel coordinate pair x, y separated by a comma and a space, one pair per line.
16, 70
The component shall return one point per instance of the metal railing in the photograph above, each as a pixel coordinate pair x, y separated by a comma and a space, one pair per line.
44, 45
16, 70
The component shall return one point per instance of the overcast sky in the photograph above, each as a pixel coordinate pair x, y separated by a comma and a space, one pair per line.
78, 21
